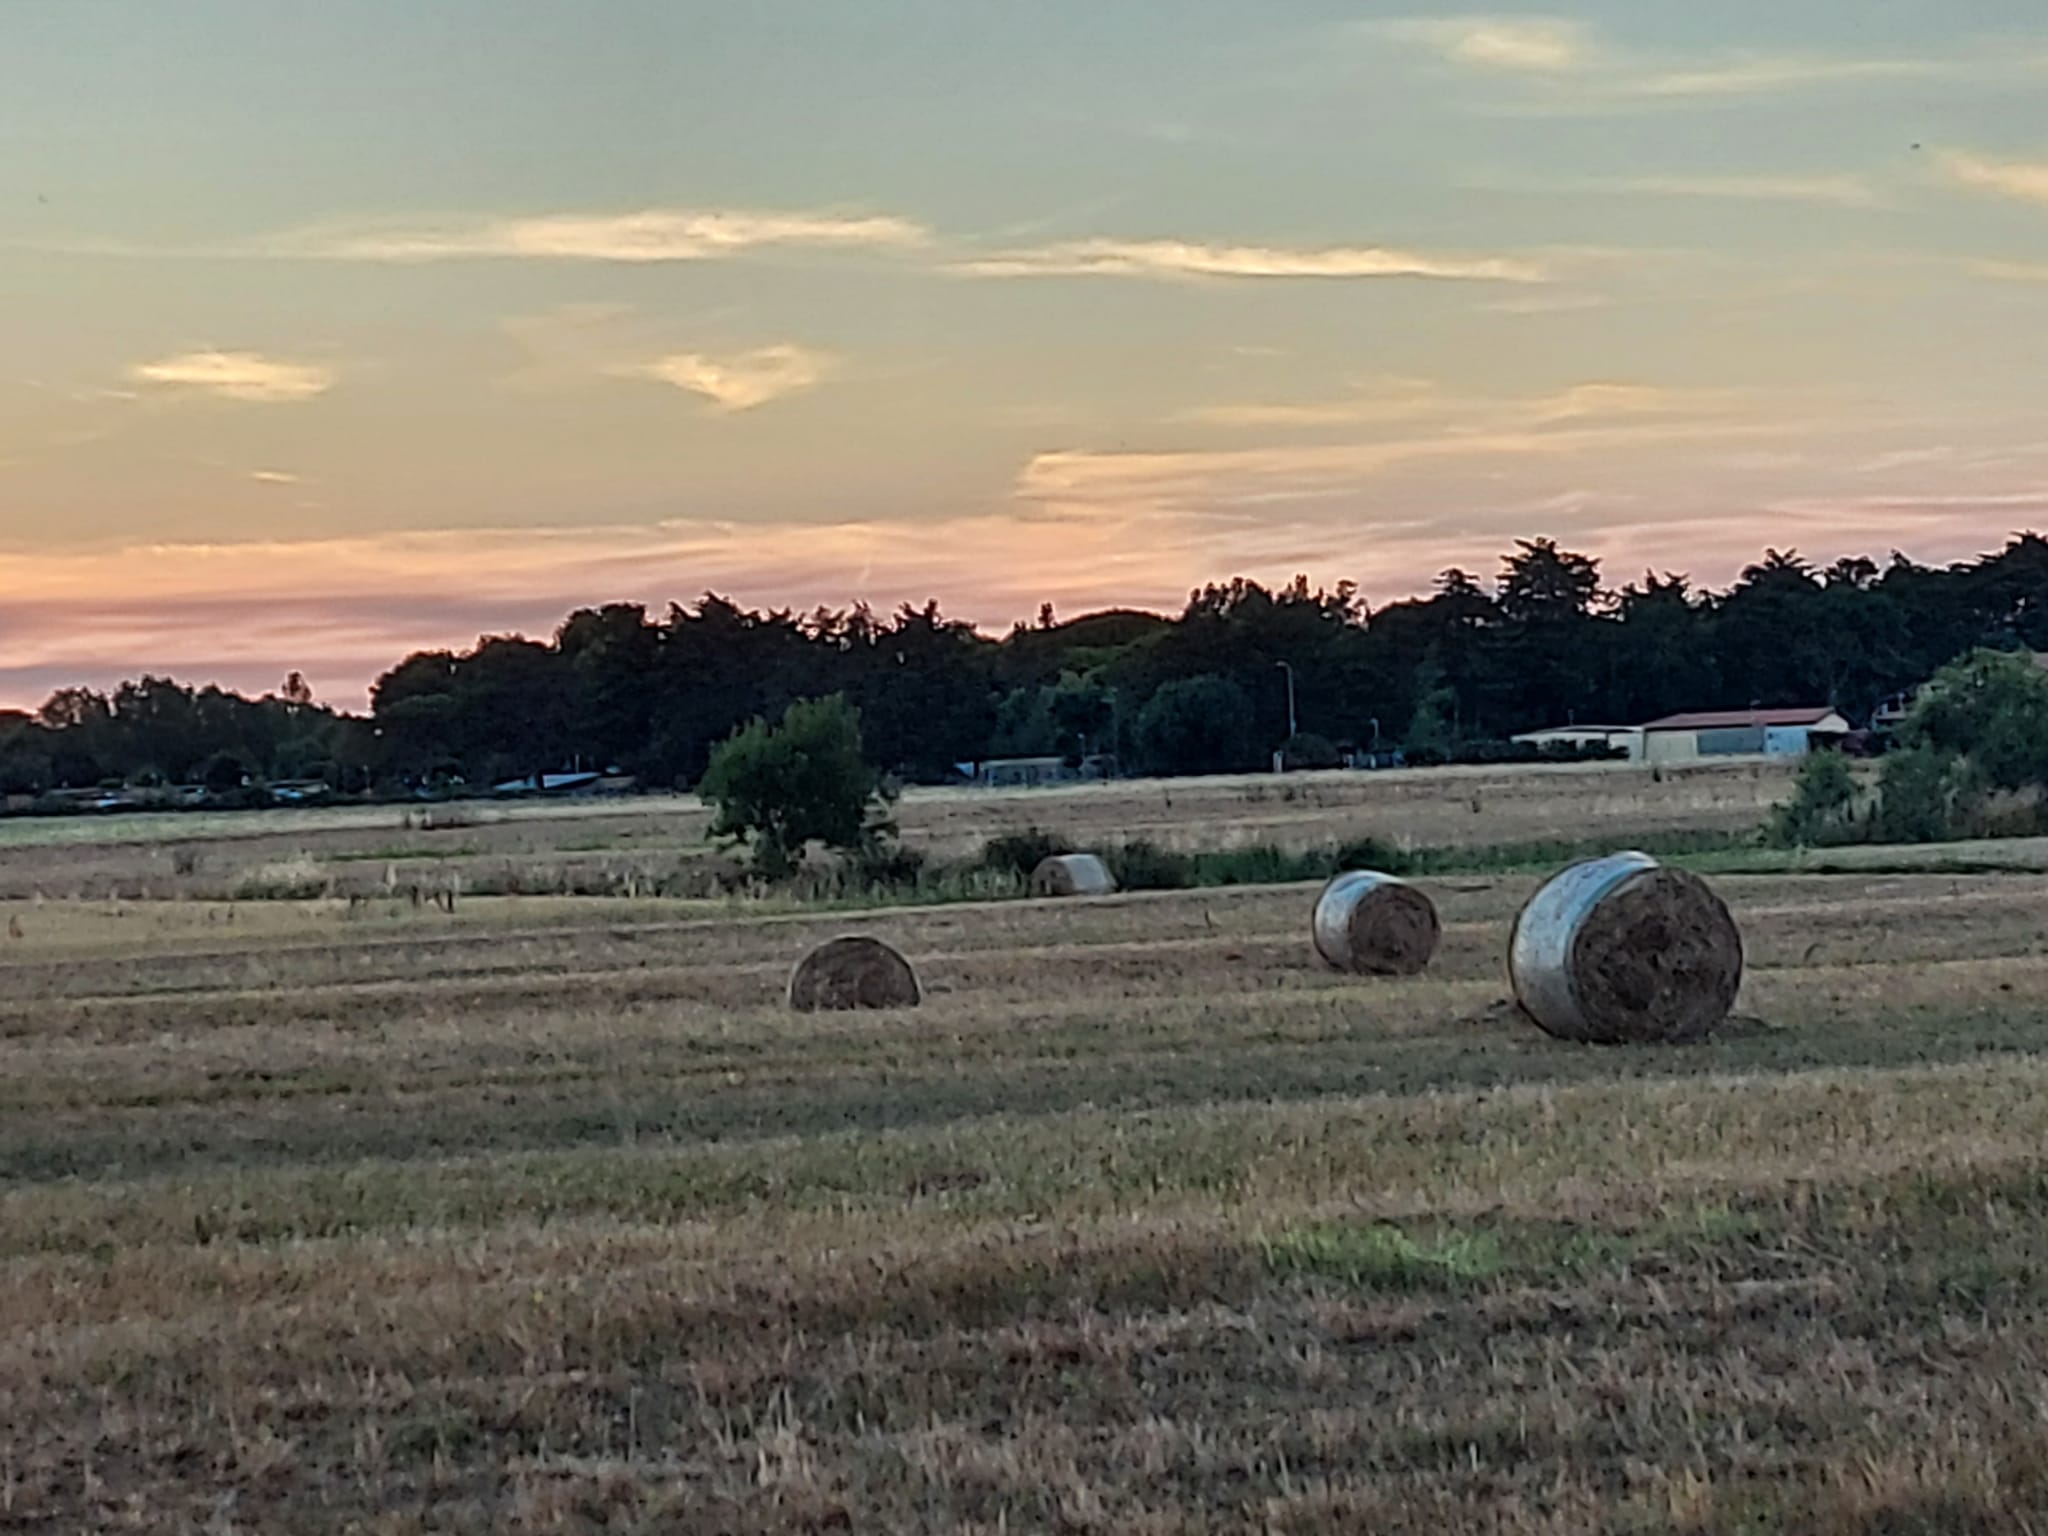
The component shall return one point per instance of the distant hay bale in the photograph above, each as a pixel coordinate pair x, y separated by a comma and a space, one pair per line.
1622, 950
1072, 874
853, 973
1372, 924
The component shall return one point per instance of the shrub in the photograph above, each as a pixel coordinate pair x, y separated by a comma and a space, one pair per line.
886, 865
1261, 865
1310, 751
1019, 853
1371, 853
1922, 797
1145, 866
225, 774
1822, 807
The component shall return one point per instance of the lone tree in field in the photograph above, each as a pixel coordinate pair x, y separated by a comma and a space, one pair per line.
783, 787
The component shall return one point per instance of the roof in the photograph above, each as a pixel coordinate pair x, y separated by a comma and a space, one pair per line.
1582, 730
1736, 719
548, 782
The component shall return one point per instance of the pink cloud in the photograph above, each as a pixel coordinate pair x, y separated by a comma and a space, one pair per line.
343, 610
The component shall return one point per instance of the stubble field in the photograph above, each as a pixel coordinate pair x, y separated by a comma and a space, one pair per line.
546, 1215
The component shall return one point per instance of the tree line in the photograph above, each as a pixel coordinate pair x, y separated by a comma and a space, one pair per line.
1545, 641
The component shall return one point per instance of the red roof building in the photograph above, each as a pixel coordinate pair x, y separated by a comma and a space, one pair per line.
1739, 719
1740, 733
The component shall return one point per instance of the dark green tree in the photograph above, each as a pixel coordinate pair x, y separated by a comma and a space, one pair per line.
1989, 709
783, 787
1198, 725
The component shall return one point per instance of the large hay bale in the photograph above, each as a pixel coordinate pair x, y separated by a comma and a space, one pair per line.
1622, 950
853, 973
1372, 924
1072, 874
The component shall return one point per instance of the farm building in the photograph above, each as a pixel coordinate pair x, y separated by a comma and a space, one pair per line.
1624, 738
1741, 733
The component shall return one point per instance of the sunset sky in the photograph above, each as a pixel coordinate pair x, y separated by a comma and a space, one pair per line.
336, 331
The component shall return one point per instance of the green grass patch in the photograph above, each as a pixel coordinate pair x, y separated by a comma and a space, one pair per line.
1383, 1257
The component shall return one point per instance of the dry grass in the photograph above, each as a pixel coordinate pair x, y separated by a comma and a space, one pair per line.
548, 1216
657, 845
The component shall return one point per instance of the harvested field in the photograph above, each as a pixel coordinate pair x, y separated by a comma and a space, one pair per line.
549, 1215
656, 846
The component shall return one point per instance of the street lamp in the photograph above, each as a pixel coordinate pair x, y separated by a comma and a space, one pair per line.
1293, 729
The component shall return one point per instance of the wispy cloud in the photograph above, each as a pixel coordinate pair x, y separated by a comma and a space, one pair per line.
1078, 482
1905, 458
1543, 45
639, 236
1845, 191
646, 235
273, 477
1755, 74
2009, 271
1398, 401
1571, 67
247, 376
1184, 259
1556, 302
2022, 180
740, 381
1987, 507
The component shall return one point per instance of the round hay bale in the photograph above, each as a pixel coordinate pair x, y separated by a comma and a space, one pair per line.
1622, 950
1372, 924
1072, 874
853, 973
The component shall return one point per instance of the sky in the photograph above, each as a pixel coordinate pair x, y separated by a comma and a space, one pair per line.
333, 332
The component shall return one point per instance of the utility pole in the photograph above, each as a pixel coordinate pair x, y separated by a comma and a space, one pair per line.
1293, 727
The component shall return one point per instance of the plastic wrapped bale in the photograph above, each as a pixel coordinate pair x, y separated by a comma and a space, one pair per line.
1374, 925
1072, 874
1623, 950
853, 973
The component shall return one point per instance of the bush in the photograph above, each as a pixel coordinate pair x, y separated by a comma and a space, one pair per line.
1922, 797
1019, 853
1261, 865
225, 774
1823, 804
1145, 866
1371, 853
884, 865
1310, 751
